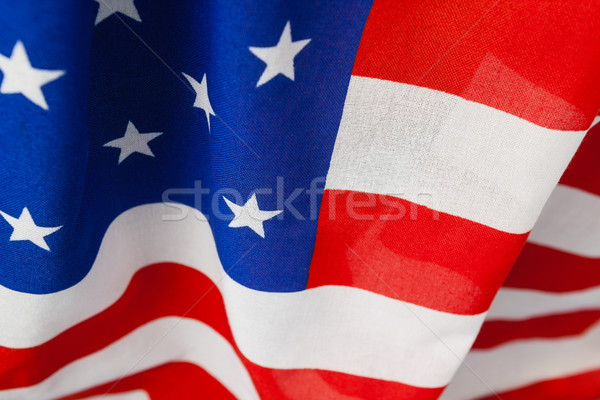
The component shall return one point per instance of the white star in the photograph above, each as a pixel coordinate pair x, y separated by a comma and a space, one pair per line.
279, 58
202, 101
250, 215
25, 229
133, 142
109, 7
21, 77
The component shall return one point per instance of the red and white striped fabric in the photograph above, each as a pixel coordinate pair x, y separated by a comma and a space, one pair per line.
497, 122
459, 121
541, 338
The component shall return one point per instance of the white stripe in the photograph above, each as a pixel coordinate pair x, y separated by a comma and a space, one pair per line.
512, 304
156, 343
332, 328
523, 363
453, 155
352, 331
570, 222
133, 395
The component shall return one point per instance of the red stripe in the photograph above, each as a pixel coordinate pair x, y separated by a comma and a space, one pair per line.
432, 259
173, 290
585, 386
154, 292
494, 333
301, 384
552, 270
181, 381
530, 58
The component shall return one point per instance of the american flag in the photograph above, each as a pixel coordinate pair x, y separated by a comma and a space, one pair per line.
299, 199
